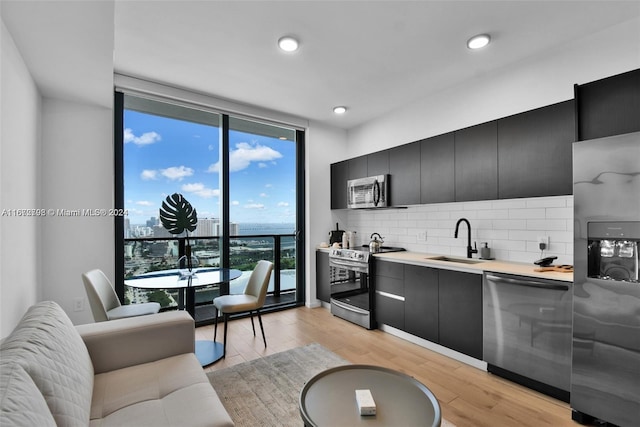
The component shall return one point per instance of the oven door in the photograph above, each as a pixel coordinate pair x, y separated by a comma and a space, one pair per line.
350, 292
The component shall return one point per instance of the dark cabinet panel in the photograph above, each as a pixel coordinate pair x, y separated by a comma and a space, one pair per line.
534, 152
460, 316
358, 168
378, 163
389, 277
389, 269
339, 176
404, 167
389, 311
437, 169
421, 302
609, 106
476, 160
323, 285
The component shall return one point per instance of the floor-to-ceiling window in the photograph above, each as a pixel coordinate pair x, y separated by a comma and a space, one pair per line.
242, 176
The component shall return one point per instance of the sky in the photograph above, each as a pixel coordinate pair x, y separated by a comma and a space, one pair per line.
163, 156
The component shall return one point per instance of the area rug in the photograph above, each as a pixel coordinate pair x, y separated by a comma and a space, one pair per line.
264, 392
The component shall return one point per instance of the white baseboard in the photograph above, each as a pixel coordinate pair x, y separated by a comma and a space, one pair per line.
472, 361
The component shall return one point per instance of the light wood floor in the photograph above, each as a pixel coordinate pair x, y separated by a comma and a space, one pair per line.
467, 395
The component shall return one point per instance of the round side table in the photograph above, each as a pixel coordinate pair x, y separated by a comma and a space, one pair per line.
329, 398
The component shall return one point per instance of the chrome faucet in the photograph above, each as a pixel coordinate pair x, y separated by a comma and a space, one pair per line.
470, 250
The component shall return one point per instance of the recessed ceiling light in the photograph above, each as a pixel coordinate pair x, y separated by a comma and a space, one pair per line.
288, 44
479, 41
340, 110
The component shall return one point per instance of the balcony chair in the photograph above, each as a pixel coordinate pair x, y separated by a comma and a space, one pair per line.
104, 302
251, 300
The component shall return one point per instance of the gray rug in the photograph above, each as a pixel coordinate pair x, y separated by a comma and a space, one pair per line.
265, 391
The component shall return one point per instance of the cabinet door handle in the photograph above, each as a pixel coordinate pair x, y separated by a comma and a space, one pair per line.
388, 295
528, 283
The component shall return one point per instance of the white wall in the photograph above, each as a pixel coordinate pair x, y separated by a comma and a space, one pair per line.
524, 86
324, 145
19, 164
77, 173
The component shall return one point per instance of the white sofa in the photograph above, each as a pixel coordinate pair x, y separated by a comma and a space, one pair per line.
138, 371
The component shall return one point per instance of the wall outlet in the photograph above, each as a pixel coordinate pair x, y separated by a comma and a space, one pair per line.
422, 236
544, 240
78, 304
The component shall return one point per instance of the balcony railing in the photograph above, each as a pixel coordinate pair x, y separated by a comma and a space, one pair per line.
148, 254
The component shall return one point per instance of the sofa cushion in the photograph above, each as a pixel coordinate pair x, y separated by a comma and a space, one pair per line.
21, 403
47, 346
169, 392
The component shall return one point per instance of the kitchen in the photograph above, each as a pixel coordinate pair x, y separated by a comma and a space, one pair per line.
521, 85
542, 299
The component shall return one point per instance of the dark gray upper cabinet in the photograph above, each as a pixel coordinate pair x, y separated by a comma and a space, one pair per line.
404, 167
609, 106
357, 168
476, 154
421, 302
378, 163
534, 152
339, 176
437, 169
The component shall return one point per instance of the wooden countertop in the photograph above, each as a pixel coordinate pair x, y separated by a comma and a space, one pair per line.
521, 269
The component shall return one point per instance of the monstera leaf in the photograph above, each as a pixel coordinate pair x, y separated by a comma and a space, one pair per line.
177, 215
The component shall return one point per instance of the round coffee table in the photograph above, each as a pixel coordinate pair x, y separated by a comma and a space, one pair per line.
329, 398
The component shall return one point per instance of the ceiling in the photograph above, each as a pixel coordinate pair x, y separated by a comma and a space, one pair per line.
371, 56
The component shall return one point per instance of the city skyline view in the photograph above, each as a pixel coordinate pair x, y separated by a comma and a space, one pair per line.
164, 155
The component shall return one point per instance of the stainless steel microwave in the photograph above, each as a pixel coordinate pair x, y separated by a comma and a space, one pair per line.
370, 192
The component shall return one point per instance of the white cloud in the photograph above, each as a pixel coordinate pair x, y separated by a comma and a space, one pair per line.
283, 204
244, 154
235, 203
176, 173
199, 189
148, 174
144, 139
264, 195
268, 185
254, 206
144, 203
262, 165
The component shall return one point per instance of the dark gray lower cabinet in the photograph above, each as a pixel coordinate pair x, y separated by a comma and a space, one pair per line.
323, 291
389, 311
441, 306
389, 286
460, 303
421, 302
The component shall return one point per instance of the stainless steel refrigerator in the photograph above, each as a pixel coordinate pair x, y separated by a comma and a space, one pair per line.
605, 373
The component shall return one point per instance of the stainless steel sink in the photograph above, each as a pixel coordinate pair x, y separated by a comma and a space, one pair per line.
453, 259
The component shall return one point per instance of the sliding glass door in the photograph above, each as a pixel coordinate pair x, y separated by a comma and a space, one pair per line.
242, 176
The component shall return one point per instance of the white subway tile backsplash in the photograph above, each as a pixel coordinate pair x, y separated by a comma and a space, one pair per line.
510, 224
563, 212
527, 213
510, 227
493, 214
546, 224
547, 202
510, 204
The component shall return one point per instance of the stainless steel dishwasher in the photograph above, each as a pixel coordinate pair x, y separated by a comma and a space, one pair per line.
527, 331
